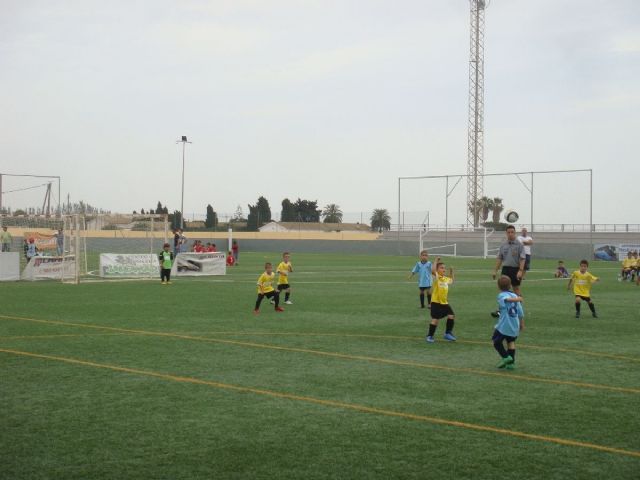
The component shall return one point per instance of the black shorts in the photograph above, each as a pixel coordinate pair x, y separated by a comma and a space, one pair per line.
283, 286
512, 273
422, 289
270, 294
586, 299
499, 337
440, 310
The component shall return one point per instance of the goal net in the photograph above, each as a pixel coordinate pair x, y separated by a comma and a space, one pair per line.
79, 248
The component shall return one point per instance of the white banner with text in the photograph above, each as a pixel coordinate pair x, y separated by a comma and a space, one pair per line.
41, 268
196, 264
129, 265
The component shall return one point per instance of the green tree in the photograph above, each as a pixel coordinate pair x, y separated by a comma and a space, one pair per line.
486, 205
497, 209
380, 220
159, 209
239, 215
259, 214
211, 220
175, 219
332, 214
288, 213
307, 211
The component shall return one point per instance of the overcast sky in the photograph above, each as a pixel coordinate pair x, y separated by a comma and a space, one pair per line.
327, 100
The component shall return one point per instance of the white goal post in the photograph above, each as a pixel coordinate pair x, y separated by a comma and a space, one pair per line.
79, 248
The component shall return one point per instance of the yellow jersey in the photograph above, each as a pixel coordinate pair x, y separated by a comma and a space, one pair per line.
283, 272
440, 289
628, 262
264, 282
582, 283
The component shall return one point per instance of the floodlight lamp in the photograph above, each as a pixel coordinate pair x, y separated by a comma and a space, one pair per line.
184, 138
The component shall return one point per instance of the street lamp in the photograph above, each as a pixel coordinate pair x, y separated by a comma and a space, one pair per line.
184, 142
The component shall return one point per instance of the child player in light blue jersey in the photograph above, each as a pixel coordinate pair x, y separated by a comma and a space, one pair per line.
425, 278
510, 322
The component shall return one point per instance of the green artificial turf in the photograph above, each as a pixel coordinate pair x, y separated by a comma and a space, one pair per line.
140, 380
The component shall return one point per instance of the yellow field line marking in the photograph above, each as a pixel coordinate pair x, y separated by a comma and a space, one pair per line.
331, 403
344, 356
65, 335
407, 337
362, 335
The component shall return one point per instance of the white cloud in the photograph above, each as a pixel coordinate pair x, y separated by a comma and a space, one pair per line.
626, 43
205, 38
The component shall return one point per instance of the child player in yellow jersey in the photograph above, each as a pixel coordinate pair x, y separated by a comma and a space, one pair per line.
627, 266
440, 307
284, 268
582, 281
265, 288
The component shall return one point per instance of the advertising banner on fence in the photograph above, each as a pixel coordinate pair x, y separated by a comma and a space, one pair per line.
9, 266
129, 265
43, 241
614, 253
194, 264
40, 268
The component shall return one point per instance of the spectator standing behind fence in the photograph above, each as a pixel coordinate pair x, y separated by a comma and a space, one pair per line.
176, 241
5, 239
59, 242
234, 250
525, 239
31, 250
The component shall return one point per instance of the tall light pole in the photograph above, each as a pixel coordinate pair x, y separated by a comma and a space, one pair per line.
184, 142
475, 153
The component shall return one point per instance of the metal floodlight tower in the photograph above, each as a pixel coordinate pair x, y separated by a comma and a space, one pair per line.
184, 142
475, 154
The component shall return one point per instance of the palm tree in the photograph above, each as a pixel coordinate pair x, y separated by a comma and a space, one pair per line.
332, 214
380, 220
497, 209
487, 206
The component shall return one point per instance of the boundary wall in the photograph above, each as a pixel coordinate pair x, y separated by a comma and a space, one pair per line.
547, 245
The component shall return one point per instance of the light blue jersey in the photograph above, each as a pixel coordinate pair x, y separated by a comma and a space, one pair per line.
424, 274
510, 315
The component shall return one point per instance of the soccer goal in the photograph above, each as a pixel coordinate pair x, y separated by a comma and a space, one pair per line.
474, 242
450, 250
79, 248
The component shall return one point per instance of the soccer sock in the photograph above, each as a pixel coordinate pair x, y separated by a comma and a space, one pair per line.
286, 296
258, 301
432, 329
422, 299
449, 325
578, 307
512, 353
276, 297
500, 349
592, 307
429, 298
